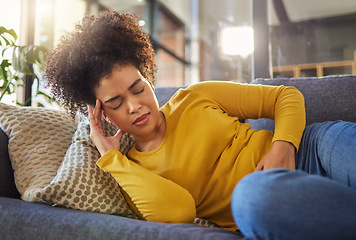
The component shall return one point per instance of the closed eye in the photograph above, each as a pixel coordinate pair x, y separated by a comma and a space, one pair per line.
115, 108
140, 91
135, 93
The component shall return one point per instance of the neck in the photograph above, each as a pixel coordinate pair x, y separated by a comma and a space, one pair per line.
152, 141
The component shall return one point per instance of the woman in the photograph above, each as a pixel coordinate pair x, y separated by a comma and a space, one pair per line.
191, 153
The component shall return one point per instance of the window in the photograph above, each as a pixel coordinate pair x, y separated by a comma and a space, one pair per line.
297, 38
10, 19
187, 38
312, 38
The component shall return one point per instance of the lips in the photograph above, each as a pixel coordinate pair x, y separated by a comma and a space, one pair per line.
142, 120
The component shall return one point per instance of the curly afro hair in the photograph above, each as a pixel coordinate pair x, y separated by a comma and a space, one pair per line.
82, 57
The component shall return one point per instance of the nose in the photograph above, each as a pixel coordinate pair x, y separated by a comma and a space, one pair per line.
133, 105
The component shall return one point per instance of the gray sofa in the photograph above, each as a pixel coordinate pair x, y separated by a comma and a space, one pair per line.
327, 98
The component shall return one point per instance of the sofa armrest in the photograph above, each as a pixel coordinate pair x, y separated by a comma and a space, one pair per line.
326, 98
7, 185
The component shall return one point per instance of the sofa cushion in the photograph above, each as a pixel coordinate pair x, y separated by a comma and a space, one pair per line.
38, 140
7, 185
326, 98
24, 220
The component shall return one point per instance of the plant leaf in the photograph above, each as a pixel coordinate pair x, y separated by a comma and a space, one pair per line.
16, 58
47, 97
8, 36
3, 70
30, 54
35, 54
40, 54
19, 62
22, 61
13, 34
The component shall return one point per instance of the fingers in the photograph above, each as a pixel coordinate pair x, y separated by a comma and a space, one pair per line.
95, 120
90, 112
97, 109
95, 115
119, 135
259, 166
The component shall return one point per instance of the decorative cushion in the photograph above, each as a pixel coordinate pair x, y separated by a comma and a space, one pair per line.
80, 183
38, 140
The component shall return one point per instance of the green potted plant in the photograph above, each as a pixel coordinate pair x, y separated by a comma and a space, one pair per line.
17, 62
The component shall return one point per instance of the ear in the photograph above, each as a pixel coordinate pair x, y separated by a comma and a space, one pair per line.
106, 117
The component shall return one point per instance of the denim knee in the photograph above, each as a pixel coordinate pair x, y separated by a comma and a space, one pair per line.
286, 204
249, 196
256, 203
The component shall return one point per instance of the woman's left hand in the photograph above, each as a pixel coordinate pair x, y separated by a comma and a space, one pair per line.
281, 155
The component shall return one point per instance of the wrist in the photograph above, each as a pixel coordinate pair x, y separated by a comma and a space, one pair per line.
103, 147
281, 145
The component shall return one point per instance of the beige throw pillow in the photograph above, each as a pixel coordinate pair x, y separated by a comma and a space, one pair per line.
80, 183
38, 141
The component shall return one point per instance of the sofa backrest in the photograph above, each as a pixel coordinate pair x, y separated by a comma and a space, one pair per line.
326, 98
165, 93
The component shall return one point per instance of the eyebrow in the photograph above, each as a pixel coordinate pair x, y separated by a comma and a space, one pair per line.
131, 86
135, 83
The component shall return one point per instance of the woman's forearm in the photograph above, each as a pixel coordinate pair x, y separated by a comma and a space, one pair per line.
156, 198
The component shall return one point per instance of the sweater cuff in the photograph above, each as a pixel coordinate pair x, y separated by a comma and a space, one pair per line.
107, 156
291, 139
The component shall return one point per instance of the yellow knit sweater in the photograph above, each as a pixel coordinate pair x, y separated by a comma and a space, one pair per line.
206, 150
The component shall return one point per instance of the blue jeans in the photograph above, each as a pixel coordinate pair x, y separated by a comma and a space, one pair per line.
317, 201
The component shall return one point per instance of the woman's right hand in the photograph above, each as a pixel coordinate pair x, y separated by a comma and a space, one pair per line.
102, 143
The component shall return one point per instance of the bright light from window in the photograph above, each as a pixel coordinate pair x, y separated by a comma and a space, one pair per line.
237, 41
67, 14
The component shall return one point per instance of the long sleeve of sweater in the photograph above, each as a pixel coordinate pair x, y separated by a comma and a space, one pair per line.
151, 196
283, 104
